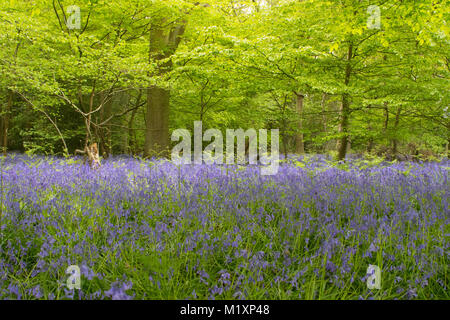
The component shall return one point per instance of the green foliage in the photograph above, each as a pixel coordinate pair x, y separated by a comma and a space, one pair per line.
238, 65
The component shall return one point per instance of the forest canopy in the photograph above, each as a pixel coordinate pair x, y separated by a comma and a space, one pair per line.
333, 76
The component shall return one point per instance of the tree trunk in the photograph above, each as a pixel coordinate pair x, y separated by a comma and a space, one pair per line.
283, 130
162, 46
157, 128
345, 108
131, 131
447, 149
324, 111
103, 134
5, 122
370, 144
394, 140
324, 121
342, 151
386, 117
284, 137
88, 119
299, 145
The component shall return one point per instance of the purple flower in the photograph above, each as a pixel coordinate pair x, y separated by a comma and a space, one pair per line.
118, 291
59, 213
372, 247
87, 272
331, 267
411, 293
37, 292
14, 290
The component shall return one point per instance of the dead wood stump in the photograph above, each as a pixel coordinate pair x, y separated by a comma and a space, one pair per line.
91, 155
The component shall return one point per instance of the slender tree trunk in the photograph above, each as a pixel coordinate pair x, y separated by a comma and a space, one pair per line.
447, 149
386, 117
106, 131
344, 127
1, 126
5, 126
324, 120
386, 123
99, 131
103, 140
299, 145
284, 137
89, 117
394, 140
283, 129
370, 144
345, 108
448, 140
202, 105
6, 116
131, 132
324, 112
